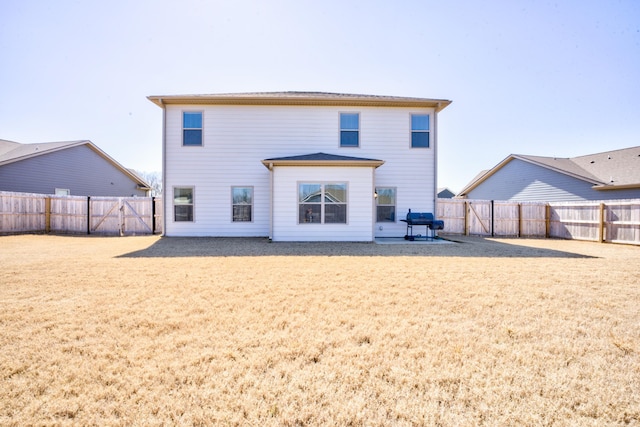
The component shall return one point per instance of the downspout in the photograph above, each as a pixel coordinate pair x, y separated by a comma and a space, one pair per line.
435, 161
374, 213
164, 168
270, 202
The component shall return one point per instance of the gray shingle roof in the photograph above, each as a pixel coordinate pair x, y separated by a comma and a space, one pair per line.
322, 157
617, 167
609, 168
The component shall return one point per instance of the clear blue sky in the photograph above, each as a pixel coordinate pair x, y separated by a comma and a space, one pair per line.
551, 78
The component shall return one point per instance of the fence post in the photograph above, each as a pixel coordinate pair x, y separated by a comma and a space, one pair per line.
547, 221
466, 217
47, 214
153, 215
88, 214
519, 219
492, 219
601, 226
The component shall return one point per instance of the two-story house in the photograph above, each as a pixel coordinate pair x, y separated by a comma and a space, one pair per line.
297, 166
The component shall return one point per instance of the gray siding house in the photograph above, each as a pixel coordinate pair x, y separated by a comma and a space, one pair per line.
76, 168
611, 175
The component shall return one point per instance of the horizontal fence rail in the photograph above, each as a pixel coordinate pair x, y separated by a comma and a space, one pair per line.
614, 221
42, 213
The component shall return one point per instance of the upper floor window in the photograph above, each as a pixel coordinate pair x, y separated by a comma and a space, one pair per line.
183, 204
192, 128
385, 204
322, 203
419, 131
242, 204
349, 129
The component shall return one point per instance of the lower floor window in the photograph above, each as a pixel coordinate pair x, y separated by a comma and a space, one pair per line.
322, 203
385, 204
183, 204
242, 204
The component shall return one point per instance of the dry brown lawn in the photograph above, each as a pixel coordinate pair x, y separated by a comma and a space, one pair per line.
176, 331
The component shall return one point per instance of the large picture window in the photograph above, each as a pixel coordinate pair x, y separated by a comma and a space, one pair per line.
419, 131
349, 129
183, 204
242, 204
192, 128
385, 204
322, 203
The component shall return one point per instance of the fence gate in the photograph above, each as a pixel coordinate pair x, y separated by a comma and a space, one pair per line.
120, 215
478, 218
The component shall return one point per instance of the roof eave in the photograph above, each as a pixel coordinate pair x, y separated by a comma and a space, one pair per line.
269, 164
600, 187
437, 104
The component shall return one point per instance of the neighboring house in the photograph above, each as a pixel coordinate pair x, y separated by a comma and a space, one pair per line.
76, 168
445, 193
603, 176
297, 166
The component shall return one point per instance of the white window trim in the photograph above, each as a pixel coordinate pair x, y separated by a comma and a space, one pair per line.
421, 131
62, 192
340, 113
395, 205
252, 203
192, 204
322, 203
183, 128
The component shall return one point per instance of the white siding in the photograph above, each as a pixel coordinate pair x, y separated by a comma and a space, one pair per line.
359, 204
237, 138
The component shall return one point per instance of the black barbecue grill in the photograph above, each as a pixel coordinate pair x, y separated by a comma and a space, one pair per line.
422, 218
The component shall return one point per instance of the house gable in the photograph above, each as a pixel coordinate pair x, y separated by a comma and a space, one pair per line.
603, 176
526, 181
77, 166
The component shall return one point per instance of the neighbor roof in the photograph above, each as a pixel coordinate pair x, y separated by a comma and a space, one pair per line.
300, 98
609, 170
11, 152
321, 159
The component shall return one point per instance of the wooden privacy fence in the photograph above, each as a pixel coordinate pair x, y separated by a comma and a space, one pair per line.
616, 221
41, 213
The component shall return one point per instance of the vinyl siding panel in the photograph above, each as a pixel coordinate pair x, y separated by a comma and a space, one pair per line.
237, 138
79, 169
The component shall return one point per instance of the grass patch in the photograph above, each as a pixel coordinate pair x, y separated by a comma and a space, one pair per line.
151, 331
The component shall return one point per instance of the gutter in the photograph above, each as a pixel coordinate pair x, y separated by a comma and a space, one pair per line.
435, 160
601, 187
270, 167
